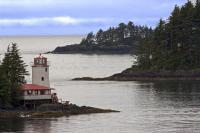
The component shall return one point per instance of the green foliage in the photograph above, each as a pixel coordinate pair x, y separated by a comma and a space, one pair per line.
5, 97
122, 39
88, 40
125, 35
174, 44
15, 69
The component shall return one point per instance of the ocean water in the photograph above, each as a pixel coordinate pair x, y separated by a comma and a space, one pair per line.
37, 44
146, 107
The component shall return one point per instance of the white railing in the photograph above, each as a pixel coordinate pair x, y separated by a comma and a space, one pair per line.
36, 97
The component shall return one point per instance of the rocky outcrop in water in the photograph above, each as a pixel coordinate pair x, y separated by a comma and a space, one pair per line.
53, 110
129, 75
94, 49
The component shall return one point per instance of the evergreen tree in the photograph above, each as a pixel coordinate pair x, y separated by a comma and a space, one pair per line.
124, 34
196, 33
15, 71
5, 98
121, 31
90, 38
99, 36
131, 28
158, 51
175, 44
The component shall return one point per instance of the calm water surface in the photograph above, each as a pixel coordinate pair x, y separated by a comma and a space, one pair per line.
37, 44
146, 107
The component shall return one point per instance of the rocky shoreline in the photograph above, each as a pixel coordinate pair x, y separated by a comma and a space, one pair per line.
52, 110
129, 75
93, 49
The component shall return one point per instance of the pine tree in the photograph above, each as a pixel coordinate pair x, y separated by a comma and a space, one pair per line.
174, 45
99, 36
131, 29
159, 47
196, 33
5, 98
15, 70
121, 31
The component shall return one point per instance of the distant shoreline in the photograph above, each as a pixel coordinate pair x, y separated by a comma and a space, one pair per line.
129, 75
96, 49
42, 36
91, 53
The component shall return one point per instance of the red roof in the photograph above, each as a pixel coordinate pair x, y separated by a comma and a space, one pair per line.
34, 87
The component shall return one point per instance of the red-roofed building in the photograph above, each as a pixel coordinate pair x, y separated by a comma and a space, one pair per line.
39, 92
35, 92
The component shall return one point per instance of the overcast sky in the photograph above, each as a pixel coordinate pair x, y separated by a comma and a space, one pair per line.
77, 17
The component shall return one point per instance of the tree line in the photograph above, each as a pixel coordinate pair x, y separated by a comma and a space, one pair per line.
12, 76
118, 40
174, 43
123, 34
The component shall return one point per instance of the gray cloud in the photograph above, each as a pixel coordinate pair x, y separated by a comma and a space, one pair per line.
60, 20
78, 16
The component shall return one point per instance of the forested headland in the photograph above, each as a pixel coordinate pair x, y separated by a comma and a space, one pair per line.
122, 39
171, 51
174, 43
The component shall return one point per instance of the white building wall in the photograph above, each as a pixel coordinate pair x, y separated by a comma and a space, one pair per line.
36, 97
39, 72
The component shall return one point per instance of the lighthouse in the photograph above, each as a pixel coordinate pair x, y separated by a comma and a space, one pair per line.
39, 92
40, 71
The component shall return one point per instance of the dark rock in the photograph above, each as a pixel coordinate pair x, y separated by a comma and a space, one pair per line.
49, 107
53, 110
94, 49
129, 75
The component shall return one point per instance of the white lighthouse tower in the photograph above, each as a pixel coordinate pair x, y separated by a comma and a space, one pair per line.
40, 71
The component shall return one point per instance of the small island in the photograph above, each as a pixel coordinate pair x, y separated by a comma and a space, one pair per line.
171, 52
36, 100
116, 40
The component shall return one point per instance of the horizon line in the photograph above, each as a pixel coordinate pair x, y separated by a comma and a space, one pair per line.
42, 35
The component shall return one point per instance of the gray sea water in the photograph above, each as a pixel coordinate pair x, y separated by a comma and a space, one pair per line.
146, 107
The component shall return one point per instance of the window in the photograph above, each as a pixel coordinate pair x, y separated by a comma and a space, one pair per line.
29, 92
42, 92
45, 69
36, 92
42, 79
